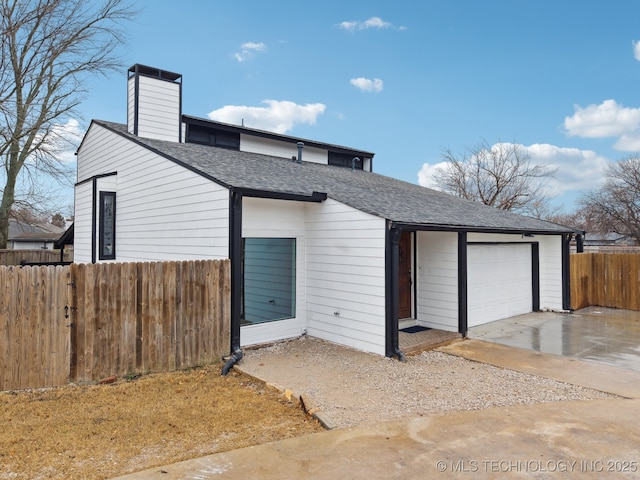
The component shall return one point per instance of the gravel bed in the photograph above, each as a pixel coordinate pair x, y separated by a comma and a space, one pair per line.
352, 387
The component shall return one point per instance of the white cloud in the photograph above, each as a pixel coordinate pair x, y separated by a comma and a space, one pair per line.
249, 49
427, 172
629, 142
367, 85
63, 140
576, 170
277, 116
636, 50
373, 22
609, 119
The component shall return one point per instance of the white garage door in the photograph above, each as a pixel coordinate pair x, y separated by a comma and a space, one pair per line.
498, 282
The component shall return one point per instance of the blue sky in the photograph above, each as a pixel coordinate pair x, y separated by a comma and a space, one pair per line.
405, 79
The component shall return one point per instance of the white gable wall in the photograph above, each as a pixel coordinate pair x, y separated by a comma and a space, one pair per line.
267, 218
346, 276
437, 280
266, 146
163, 211
550, 251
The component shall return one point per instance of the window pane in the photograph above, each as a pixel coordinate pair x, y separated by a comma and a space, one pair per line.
269, 268
107, 225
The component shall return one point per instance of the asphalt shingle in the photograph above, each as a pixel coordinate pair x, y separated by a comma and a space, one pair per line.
376, 194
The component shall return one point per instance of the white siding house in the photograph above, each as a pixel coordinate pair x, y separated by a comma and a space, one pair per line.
346, 276
314, 242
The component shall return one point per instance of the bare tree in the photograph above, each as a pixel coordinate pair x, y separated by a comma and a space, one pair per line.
615, 207
499, 175
49, 50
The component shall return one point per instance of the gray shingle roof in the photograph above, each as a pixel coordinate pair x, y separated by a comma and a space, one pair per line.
376, 194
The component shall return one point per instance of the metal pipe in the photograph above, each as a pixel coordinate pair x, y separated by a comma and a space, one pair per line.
232, 360
398, 353
300, 147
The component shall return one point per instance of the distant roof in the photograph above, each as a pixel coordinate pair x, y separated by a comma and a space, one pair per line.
402, 202
28, 232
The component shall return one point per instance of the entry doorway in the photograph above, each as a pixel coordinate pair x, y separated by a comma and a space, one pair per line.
405, 275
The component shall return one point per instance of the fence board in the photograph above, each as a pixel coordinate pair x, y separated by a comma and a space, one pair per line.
17, 257
606, 280
83, 322
34, 333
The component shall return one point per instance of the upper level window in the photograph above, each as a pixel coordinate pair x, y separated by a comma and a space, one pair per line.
211, 136
107, 226
345, 160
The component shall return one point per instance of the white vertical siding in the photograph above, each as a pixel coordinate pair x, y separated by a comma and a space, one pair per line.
550, 250
550, 271
267, 218
163, 211
266, 146
131, 104
158, 108
346, 276
82, 223
437, 280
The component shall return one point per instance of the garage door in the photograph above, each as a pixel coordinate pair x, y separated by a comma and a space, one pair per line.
499, 283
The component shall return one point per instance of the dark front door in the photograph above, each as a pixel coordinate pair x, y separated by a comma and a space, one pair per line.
404, 280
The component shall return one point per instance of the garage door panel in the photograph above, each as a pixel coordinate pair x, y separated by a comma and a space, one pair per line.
499, 283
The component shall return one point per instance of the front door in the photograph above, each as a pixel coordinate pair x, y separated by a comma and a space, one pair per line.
404, 280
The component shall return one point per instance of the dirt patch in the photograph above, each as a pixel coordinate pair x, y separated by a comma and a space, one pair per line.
102, 431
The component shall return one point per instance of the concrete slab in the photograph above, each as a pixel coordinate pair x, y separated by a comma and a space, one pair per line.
603, 335
583, 439
604, 378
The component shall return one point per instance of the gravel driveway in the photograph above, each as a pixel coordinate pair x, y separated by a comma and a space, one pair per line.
352, 387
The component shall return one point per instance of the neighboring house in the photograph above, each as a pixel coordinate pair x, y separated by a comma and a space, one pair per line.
319, 244
26, 236
610, 242
594, 239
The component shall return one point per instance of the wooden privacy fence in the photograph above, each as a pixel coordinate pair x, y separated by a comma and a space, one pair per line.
83, 322
605, 279
17, 257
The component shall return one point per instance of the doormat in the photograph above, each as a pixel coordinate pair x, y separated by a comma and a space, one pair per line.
414, 329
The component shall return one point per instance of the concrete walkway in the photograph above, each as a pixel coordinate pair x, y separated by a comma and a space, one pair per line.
586, 439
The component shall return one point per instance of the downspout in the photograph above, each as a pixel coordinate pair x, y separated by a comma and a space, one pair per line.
463, 307
566, 273
579, 243
392, 291
235, 255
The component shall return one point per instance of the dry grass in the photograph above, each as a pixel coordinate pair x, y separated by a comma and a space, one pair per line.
101, 431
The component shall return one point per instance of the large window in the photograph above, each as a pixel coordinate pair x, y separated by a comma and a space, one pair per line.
212, 136
107, 229
269, 279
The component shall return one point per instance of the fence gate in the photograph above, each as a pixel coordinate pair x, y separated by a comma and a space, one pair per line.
34, 326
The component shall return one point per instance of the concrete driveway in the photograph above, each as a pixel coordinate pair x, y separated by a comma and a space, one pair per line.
603, 335
574, 439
